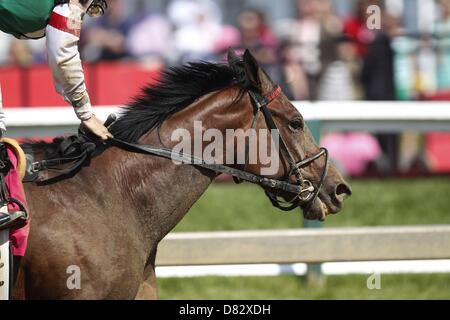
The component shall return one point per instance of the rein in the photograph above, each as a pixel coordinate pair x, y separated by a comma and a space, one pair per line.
195, 161
305, 193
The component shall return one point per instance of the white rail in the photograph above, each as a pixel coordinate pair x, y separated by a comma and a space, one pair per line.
306, 245
272, 253
341, 115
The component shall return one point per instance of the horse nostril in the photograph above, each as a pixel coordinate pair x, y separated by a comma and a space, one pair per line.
343, 190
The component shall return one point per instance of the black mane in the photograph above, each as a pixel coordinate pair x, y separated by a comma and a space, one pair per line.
178, 88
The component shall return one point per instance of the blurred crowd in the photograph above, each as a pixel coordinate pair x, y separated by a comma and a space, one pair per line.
317, 55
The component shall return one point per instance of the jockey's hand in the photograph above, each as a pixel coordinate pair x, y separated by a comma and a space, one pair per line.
96, 127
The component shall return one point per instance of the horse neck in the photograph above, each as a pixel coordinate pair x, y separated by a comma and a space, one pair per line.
161, 191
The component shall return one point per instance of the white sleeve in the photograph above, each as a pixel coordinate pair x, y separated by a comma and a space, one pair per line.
62, 35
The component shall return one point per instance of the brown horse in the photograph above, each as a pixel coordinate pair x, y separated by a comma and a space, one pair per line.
108, 220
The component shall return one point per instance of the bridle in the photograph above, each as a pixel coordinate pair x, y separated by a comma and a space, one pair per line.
304, 191
307, 192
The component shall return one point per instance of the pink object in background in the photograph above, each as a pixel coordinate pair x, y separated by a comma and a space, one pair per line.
352, 151
438, 151
230, 37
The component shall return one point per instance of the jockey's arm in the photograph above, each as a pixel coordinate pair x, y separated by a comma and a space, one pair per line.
62, 35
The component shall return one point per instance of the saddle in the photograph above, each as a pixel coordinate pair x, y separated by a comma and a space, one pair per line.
63, 158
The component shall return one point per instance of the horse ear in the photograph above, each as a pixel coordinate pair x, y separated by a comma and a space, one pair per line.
252, 69
233, 58
256, 75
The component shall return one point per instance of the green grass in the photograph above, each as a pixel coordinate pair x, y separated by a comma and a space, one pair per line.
419, 286
374, 203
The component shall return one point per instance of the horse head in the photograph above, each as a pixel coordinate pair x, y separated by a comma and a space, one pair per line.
301, 161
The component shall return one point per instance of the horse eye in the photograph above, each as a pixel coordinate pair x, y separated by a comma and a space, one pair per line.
296, 124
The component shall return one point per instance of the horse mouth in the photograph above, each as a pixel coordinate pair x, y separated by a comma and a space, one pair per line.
319, 210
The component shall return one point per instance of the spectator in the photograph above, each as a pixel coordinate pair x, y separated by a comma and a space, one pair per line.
355, 151
377, 74
313, 42
443, 30
304, 36
257, 36
38, 50
335, 78
374, 48
20, 54
105, 38
437, 143
150, 36
230, 37
355, 27
198, 26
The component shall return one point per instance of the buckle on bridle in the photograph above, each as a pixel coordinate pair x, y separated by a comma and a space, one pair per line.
35, 167
309, 188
